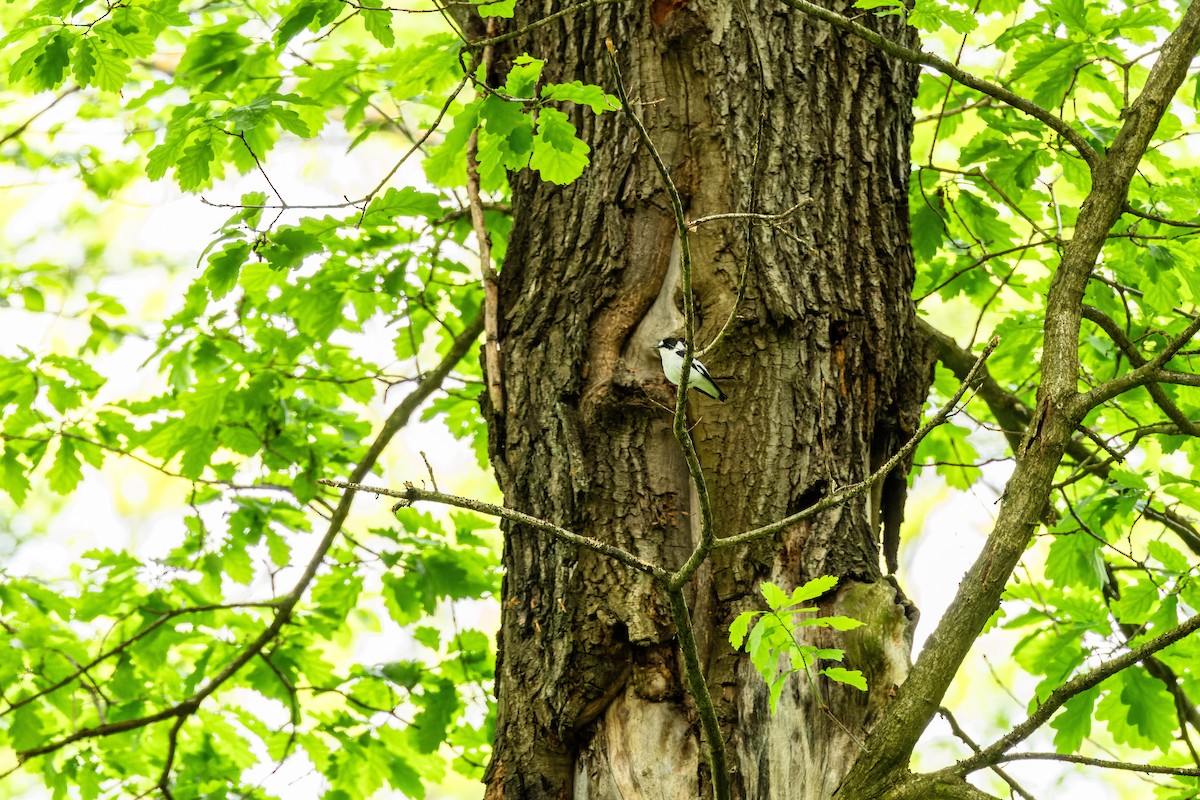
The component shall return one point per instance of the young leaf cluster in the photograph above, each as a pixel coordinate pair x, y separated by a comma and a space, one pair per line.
774, 644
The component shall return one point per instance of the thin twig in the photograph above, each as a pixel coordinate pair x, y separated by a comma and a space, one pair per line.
491, 286
17, 131
1150, 769
679, 427
749, 215
411, 494
546, 20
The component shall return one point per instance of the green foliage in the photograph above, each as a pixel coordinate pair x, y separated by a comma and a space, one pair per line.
774, 644
994, 197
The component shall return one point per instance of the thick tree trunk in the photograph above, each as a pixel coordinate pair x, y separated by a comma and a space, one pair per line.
753, 108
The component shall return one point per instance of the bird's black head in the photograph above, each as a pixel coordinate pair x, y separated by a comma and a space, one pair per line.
671, 343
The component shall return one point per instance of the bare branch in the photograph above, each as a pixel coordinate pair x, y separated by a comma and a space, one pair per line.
491, 288
1149, 769
411, 494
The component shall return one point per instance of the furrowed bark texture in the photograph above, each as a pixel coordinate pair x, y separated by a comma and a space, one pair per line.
824, 369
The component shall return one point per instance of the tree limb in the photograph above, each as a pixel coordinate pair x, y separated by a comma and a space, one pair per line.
957, 730
491, 288
1143, 375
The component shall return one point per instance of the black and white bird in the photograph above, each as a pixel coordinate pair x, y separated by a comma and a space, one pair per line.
671, 351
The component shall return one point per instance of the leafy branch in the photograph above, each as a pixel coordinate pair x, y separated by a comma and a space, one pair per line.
993, 754
286, 604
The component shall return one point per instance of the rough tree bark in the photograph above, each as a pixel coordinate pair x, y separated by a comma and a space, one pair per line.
754, 108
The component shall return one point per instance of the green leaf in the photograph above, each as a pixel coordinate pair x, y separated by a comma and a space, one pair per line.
25, 731
287, 247
935, 15
501, 8
928, 229
167, 154
1076, 559
837, 623
405, 202
523, 76
1138, 709
379, 25
1138, 600
33, 299
850, 677
585, 94
193, 170
67, 471
14, 476
1050, 64
1074, 722
775, 597
558, 154
439, 706
739, 628
96, 65
510, 140
1167, 555
311, 14
446, 164
813, 589
46, 62
223, 268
